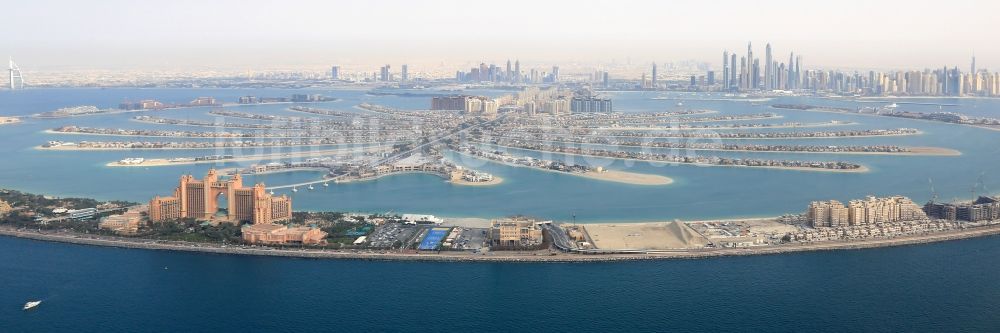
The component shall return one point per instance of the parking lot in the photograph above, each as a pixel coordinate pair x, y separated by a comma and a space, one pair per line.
392, 235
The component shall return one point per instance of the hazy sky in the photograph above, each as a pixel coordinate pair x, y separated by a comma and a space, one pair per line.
49, 34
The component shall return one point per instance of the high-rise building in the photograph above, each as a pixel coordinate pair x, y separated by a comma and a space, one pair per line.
654, 83
509, 74
517, 71
732, 72
335, 73
555, 73
384, 74
404, 74
199, 199
725, 70
14, 74
768, 68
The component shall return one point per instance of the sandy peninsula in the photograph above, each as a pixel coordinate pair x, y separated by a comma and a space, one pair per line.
495, 181
9, 120
626, 177
154, 162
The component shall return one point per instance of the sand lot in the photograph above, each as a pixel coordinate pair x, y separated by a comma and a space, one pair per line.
646, 236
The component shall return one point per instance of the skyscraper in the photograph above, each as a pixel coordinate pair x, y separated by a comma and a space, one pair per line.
725, 70
508, 75
384, 74
791, 71
335, 73
404, 75
16, 80
768, 68
517, 71
973, 71
732, 71
654, 77
555, 73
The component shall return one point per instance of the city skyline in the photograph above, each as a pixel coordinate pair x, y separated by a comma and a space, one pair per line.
216, 35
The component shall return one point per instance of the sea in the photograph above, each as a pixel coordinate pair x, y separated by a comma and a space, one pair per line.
698, 192
948, 286
940, 287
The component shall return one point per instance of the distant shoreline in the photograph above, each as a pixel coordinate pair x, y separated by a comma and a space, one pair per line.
505, 256
862, 169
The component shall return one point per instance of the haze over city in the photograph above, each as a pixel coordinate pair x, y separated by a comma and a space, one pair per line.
539, 166
235, 35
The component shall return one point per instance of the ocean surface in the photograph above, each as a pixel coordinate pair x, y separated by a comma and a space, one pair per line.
942, 287
698, 192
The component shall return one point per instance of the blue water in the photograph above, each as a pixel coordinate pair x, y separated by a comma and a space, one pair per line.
947, 286
697, 193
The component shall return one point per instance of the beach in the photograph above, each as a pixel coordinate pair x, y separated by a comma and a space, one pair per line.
154, 162
626, 177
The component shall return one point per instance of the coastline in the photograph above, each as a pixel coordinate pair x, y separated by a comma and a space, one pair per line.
862, 169
119, 242
155, 162
616, 176
914, 151
9, 121
496, 179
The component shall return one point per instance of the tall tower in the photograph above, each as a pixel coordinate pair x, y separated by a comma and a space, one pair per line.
405, 75
654, 76
517, 71
16, 80
768, 68
791, 71
732, 71
973, 65
725, 70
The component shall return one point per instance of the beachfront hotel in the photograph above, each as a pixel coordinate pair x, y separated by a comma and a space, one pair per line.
870, 210
199, 199
515, 233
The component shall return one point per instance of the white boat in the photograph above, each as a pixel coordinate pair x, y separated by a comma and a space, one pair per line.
326, 184
310, 187
31, 305
295, 189
272, 192
680, 104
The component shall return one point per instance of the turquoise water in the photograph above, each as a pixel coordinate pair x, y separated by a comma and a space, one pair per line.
698, 192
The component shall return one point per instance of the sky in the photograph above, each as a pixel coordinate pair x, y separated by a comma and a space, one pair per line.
227, 34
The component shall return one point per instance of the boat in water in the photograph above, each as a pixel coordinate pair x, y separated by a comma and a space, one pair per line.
31, 305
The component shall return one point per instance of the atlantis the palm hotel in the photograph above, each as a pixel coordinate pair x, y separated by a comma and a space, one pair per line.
199, 199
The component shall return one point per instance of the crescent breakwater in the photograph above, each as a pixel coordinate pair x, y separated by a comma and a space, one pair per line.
210, 248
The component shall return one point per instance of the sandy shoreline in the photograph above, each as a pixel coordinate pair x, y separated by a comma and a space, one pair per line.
155, 162
617, 176
496, 179
627, 177
862, 169
77, 148
120, 242
9, 120
914, 151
